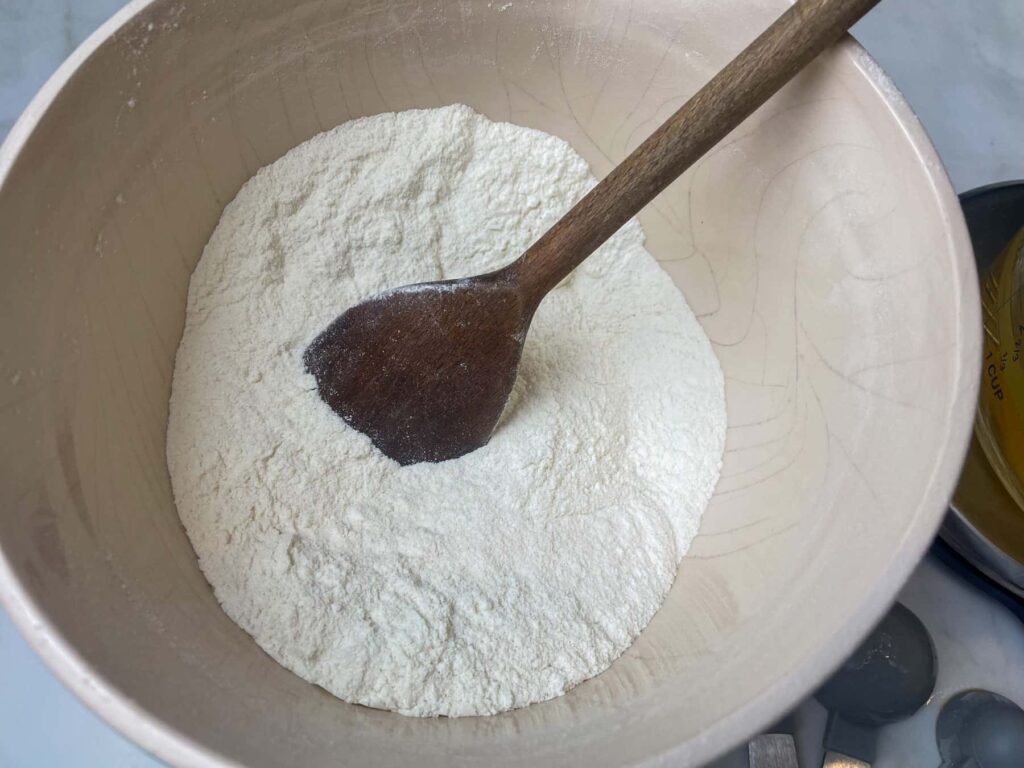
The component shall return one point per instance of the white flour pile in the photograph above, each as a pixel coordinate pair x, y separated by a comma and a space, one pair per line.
476, 585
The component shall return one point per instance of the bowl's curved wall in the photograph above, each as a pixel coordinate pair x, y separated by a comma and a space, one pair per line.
820, 244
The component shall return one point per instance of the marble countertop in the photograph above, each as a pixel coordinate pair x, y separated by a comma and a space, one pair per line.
961, 67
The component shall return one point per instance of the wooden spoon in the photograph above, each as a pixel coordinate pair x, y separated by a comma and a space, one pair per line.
425, 370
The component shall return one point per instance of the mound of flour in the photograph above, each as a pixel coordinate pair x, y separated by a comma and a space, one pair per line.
476, 585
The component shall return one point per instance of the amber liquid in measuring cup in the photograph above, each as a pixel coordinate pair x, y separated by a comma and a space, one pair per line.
1000, 423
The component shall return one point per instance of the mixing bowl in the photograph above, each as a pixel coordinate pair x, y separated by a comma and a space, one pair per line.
820, 244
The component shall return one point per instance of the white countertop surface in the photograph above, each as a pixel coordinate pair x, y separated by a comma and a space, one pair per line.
960, 64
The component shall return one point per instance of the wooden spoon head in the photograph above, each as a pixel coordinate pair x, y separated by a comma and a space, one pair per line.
424, 371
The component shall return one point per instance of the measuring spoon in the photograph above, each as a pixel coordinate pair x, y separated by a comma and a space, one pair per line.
888, 678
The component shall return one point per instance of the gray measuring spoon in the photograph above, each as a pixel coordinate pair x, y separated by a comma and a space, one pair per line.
888, 678
980, 729
775, 748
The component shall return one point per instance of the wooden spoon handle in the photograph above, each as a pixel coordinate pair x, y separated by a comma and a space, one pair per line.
761, 69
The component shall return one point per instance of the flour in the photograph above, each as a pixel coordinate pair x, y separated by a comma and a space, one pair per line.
476, 585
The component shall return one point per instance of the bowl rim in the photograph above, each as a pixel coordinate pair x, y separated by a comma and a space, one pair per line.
167, 743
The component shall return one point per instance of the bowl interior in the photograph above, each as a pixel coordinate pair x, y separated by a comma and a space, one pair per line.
820, 245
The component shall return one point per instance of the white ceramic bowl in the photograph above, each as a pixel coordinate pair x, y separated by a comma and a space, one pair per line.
820, 244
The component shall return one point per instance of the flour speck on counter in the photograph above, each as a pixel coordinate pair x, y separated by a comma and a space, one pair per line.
476, 585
